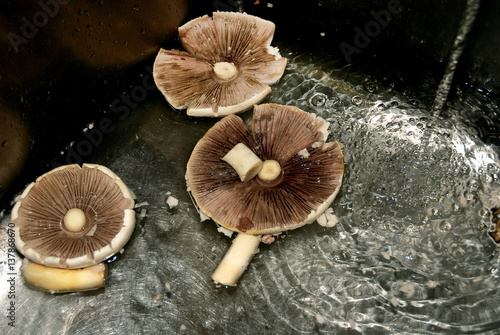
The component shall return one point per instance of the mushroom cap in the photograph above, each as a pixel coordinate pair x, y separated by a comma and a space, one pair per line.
188, 80
306, 188
39, 216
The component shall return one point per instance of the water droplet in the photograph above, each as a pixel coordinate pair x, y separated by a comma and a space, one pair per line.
393, 126
470, 195
370, 87
411, 256
484, 213
357, 100
318, 100
493, 168
473, 185
445, 226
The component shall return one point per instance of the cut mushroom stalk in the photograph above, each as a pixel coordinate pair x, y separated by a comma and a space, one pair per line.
225, 70
236, 259
56, 280
74, 220
244, 161
271, 169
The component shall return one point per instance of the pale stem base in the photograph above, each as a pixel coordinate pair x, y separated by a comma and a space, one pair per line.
57, 280
236, 259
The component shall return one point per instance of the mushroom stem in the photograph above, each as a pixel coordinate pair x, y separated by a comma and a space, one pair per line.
225, 70
74, 220
271, 169
56, 280
236, 259
244, 161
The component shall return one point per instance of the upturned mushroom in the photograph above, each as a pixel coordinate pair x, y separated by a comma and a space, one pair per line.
228, 66
298, 178
70, 218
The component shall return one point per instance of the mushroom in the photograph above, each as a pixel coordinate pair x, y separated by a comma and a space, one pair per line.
74, 217
228, 66
290, 190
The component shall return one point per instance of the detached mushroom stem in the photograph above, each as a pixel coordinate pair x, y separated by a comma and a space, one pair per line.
243, 161
236, 259
56, 280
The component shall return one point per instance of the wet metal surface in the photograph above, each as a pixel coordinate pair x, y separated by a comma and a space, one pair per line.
410, 252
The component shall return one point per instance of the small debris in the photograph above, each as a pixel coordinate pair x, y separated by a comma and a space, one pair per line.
172, 202
133, 194
225, 231
327, 219
91, 231
141, 204
352, 323
320, 319
268, 239
432, 284
303, 153
386, 255
183, 328
203, 217
158, 297
409, 289
142, 215
167, 286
